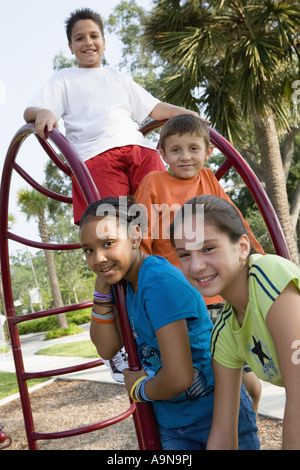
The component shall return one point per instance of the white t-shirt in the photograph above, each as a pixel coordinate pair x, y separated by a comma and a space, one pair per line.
100, 108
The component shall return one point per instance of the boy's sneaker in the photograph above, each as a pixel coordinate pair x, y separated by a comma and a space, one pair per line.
117, 364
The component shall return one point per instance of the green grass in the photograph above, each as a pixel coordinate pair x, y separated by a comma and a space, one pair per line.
78, 348
8, 380
3, 349
9, 384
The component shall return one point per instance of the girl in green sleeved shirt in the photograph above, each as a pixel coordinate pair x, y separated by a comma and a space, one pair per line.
260, 323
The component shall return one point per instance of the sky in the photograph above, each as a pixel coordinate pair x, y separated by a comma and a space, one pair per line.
32, 33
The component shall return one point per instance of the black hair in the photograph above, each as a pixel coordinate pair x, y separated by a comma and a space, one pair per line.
83, 14
123, 207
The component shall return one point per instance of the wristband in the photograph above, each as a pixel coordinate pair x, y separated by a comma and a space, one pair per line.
140, 392
132, 391
99, 296
103, 303
103, 318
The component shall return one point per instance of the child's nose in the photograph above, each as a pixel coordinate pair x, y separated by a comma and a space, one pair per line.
88, 40
185, 155
100, 257
197, 263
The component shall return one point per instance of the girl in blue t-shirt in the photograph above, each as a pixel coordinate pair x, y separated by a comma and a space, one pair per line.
169, 321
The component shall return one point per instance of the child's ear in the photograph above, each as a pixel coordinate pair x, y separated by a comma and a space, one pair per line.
208, 152
163, 155
244, 246
135, 235
71, 48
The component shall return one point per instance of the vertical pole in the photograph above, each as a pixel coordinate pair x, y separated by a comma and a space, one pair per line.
146, 422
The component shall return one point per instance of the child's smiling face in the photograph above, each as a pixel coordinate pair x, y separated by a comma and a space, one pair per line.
109, 251
214, 268
185, 154
87, 44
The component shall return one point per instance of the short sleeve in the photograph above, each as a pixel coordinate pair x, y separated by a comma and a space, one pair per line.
224, 348
269, 276
50, 96
168, 300
141, 101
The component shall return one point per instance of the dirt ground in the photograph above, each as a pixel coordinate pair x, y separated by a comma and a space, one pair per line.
64, 405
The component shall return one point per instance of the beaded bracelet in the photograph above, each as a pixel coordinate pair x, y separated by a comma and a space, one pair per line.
103, 318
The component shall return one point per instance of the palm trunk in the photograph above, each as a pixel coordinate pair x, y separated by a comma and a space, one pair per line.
268, 143
57, 298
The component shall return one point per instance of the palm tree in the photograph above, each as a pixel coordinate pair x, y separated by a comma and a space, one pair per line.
34, 204
237, 59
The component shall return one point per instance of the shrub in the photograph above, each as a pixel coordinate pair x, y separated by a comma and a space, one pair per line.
78, 317
58, 332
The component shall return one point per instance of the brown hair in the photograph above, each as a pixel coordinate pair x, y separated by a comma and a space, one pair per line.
184, 124
217, 212
83, 14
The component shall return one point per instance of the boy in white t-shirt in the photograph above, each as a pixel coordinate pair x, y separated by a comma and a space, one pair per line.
100, 108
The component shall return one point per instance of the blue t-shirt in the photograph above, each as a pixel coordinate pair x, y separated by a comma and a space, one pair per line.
165, 296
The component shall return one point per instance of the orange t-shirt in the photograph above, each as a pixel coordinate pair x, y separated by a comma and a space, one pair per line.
163, 194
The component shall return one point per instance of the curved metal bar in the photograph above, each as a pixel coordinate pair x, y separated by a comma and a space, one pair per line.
54, 157
85, 429
62, 371
40, 188
42, 245
145, 424
233, 158
223, 169
79, 169
257, 191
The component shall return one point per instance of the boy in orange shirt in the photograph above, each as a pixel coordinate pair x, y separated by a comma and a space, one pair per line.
184, 146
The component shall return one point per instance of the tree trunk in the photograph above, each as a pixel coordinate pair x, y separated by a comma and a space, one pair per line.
267, 139
57, 298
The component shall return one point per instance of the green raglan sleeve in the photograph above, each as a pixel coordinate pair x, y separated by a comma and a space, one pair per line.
224, 348
269, 275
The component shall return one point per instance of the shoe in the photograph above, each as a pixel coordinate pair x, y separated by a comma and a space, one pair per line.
116, 365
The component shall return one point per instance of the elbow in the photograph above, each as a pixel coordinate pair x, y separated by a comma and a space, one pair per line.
29, 115
105, 352
187, 380
179, 384
25, 116
160, 112
106, 348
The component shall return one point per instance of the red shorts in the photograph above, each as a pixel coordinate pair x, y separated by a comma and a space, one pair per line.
117, 172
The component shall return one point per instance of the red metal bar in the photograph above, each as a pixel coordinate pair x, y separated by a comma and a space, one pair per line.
257, 191
85, 429
143, 417
62, 371
53, 311
53, 155
42, 246
233, 158
149, 438
38, 187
